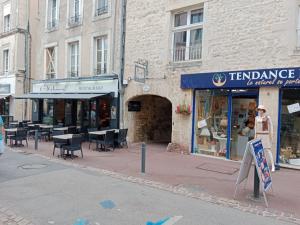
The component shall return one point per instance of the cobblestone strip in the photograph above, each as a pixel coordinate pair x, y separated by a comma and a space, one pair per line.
245, 207
8, 217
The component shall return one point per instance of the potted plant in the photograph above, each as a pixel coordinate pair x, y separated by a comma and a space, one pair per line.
183, 109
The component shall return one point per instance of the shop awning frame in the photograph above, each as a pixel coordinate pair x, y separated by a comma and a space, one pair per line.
2, 96
60, 96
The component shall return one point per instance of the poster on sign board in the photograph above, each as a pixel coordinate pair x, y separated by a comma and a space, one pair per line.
261, 164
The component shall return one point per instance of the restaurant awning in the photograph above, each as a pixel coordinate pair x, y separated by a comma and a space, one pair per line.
4, 96
59, 96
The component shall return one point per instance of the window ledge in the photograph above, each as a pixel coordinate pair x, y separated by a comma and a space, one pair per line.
49, 30
101, 17
185, 64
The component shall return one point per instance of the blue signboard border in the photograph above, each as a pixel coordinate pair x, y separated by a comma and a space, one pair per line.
280, 77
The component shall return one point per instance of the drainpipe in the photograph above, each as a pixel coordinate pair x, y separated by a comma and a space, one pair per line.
122, 60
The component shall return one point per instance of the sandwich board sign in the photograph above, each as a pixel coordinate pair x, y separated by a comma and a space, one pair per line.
255, 151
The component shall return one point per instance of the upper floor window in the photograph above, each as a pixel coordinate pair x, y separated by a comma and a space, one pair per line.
6, 18
5, 61
52, 15
75, 13
187, 35
73, 59
51, 62
298, 28
100, 55
101, 7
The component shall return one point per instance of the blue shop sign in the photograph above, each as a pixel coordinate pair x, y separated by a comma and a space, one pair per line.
281, 77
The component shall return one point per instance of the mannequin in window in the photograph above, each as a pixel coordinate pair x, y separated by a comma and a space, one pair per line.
264, 131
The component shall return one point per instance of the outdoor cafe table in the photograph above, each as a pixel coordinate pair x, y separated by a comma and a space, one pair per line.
61, 128
12, 130
103, 132
44, 126
66, 137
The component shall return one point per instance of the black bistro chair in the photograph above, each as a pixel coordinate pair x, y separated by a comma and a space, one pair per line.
58, 143
121, 138
75, 145
92, 137
108, 141
21, 135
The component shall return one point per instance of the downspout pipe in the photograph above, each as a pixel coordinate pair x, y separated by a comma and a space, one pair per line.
122, 61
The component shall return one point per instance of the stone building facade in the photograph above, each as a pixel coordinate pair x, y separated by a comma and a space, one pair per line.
14, 39
76, 46
235, 36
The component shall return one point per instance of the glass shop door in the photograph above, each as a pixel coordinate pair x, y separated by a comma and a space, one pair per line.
243, 114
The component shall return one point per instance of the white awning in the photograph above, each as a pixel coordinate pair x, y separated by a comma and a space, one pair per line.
59, 96
4, 96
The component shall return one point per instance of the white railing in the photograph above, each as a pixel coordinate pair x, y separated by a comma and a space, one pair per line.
187, 53
298, 38
52, 24
75, 20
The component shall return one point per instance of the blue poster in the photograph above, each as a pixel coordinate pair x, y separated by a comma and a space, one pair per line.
262, 167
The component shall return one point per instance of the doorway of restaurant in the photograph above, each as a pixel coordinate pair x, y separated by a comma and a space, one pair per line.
242, 116
152, 121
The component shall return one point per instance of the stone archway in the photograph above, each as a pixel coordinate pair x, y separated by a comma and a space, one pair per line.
153, 123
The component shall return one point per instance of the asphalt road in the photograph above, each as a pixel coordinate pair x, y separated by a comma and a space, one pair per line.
49, 193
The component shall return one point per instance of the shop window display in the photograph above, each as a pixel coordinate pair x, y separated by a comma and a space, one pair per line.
211, 123
290, 127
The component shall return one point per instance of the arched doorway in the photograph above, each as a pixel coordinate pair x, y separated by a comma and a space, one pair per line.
153, 122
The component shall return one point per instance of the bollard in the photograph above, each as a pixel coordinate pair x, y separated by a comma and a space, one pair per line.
36, 139
256, 184
143, 158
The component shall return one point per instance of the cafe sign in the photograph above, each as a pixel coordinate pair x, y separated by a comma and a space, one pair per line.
281, 77
78, 86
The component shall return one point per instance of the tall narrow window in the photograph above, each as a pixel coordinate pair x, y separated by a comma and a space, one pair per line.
5, 61
187, 35
52, 14
101, 7
51, 63
298, 28
74, 59
101, 55
6, 18
75, 8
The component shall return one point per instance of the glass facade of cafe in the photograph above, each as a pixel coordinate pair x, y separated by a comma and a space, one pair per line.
86, 102
4, 106
84, 113
224, 116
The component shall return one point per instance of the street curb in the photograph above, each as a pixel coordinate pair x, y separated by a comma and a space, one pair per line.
245, 207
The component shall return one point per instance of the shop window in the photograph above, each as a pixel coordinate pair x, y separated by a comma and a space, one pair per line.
211, 123
93, 113
104, 113
48, 111
187, 35
4, 106
59, 112
290, 127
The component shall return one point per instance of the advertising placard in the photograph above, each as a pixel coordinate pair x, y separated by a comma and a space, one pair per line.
261, 164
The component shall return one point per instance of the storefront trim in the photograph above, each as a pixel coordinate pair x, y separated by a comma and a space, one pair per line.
60, 96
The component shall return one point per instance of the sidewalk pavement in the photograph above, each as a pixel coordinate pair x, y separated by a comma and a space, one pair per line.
197, 174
